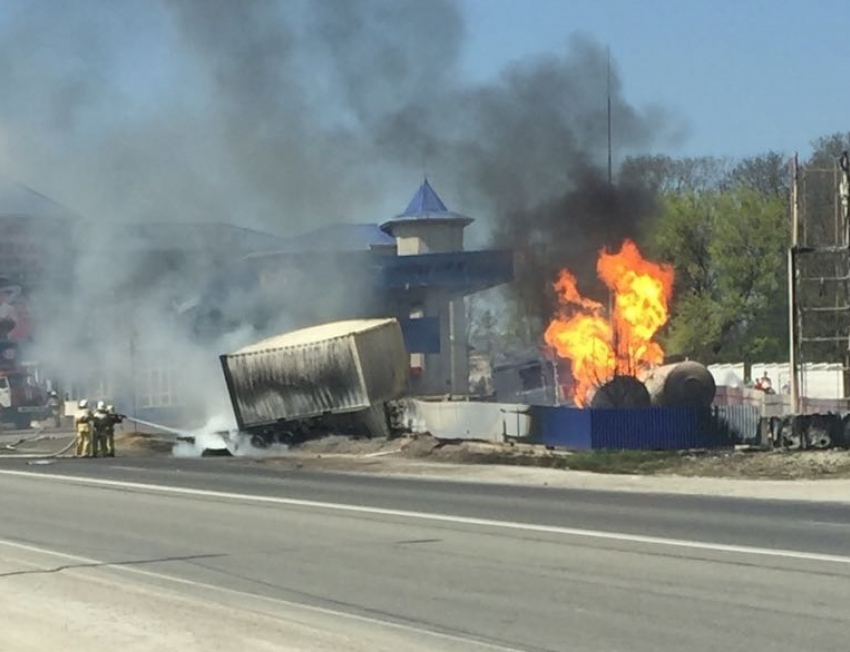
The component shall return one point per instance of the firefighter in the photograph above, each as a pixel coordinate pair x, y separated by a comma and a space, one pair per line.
83, 426
113, 419
100, 425
55, 407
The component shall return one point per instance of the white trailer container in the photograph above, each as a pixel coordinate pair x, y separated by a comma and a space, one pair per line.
338, 368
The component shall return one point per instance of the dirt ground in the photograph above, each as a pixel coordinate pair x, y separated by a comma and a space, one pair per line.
413, 453
342, 453
58, 442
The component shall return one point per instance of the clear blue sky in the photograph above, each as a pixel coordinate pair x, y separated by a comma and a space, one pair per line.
746, 75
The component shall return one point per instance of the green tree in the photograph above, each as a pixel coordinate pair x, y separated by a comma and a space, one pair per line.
728, 248
826, 149
660, 173
768, 174
818, 190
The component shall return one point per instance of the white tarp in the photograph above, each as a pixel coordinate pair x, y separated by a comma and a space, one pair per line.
468, 419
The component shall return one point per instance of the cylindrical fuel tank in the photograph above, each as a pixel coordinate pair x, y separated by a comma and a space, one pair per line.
686, 383
621, 392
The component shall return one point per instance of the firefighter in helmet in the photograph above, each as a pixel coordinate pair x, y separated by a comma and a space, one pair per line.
55, 407
113, 419
83, 425
100, 425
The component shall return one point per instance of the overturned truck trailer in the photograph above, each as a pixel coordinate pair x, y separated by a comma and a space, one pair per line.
336, 377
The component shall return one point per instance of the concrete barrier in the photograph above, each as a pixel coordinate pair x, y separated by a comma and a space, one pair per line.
468, 420
776, 405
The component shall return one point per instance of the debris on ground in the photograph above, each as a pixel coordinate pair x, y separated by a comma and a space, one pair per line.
141, 443
343, 453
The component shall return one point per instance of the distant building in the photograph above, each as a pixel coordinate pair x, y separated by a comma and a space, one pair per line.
212, 280
426, 227
35, 239
412, 267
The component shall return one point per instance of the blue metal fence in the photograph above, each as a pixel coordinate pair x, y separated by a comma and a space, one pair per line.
657, 428
561, 427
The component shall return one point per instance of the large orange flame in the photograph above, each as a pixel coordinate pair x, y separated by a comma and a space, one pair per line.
600, 347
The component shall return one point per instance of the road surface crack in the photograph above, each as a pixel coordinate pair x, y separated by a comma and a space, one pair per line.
130, 562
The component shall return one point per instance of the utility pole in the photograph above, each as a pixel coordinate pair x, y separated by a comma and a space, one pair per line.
793, 335
133, 368
844, 235
611, 306
452, 349
608, 93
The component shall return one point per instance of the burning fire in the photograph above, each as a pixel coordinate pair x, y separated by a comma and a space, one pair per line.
600, 347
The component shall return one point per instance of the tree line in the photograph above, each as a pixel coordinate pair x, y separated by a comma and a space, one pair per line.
724, 225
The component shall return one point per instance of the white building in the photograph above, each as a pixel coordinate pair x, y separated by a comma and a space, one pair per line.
817, 380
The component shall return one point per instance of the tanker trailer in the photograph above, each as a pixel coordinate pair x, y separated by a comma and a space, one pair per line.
621, 392
685, 383
336, 377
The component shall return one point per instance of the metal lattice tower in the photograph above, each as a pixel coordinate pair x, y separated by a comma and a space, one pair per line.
819, 270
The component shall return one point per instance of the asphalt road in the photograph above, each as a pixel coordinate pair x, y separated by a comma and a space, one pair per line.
407, 564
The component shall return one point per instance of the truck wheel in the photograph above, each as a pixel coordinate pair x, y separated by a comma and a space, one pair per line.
22, 422
284, 438
258, 442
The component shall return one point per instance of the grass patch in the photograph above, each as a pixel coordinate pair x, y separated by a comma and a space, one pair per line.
623, 462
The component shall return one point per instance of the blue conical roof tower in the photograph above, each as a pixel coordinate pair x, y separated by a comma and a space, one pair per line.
427, 219
426, 201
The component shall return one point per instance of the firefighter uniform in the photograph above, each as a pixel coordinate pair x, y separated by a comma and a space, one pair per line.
83, 426
55, 406
100, 425
113, 419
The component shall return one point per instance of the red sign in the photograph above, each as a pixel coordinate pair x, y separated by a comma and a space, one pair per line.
15, 321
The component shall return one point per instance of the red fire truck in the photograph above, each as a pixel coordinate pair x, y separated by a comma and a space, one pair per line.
21, 399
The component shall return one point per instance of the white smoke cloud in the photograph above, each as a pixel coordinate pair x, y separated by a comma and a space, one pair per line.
219, 433
277, 115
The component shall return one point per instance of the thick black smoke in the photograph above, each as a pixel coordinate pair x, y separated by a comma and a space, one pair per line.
570, 231
285, 114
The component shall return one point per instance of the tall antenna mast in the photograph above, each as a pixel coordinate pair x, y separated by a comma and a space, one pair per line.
608, 92
613, 321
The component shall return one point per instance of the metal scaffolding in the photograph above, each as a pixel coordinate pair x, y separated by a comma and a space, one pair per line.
819, 271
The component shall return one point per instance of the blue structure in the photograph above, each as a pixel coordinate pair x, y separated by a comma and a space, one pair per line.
424, 203
217, 278
412, 267
341, 237
655, 428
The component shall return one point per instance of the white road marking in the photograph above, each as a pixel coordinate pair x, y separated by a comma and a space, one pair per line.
447, 518
828, 524
389, 624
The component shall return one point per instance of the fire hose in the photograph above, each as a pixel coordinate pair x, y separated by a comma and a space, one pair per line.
39, 435
158, 426
191, 437
59, 453
180, 435
23, 440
